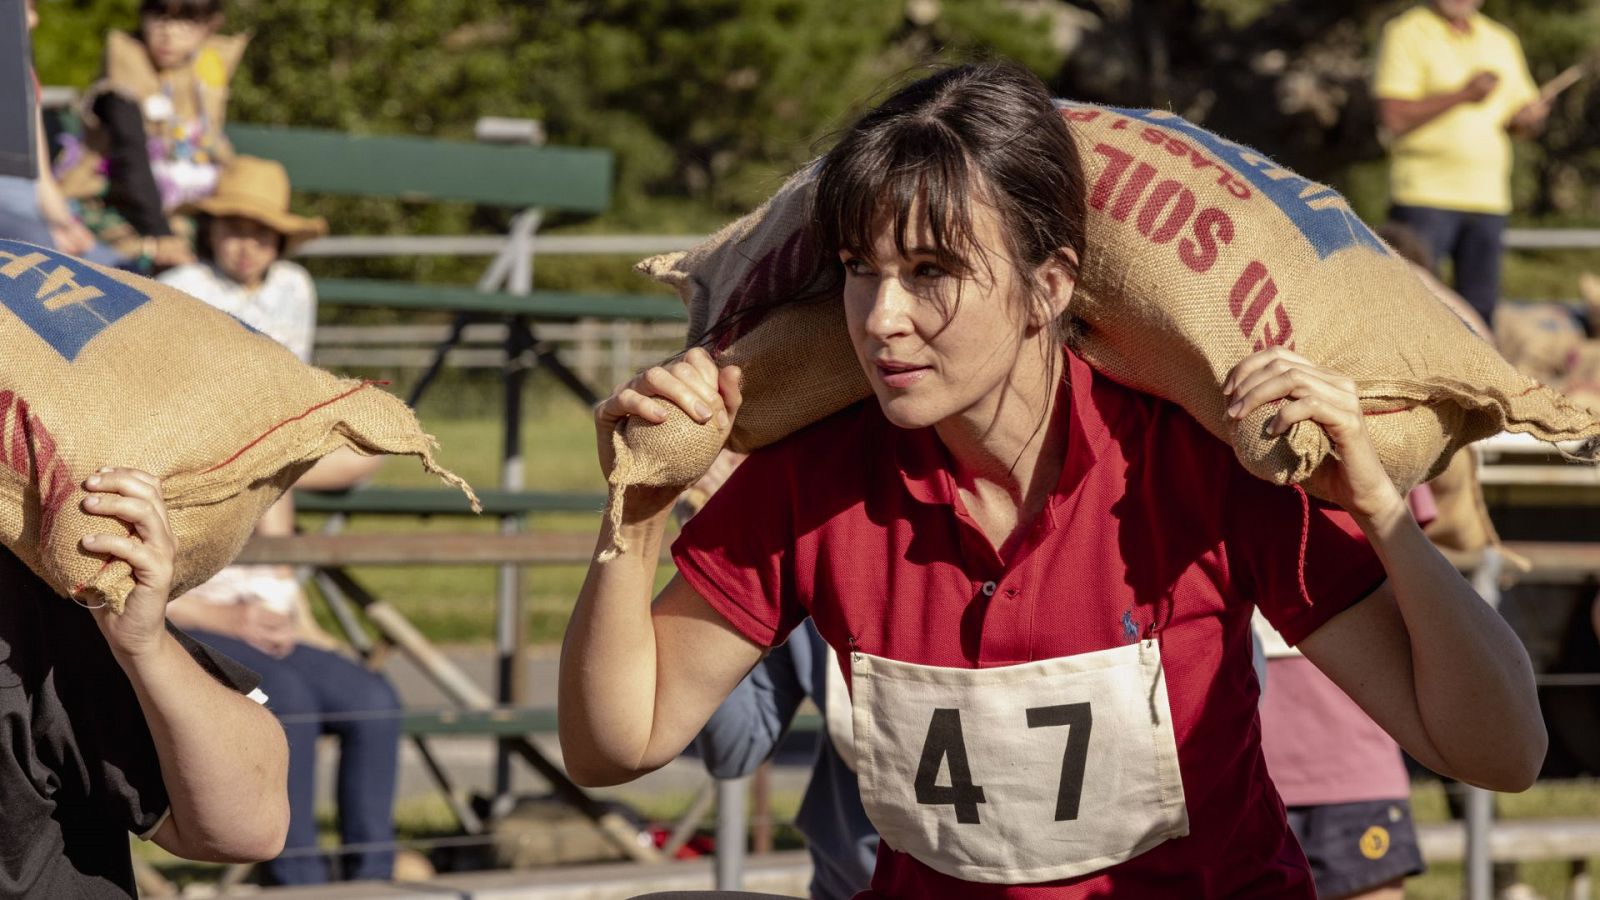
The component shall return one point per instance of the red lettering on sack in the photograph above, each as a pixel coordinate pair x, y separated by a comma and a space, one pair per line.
1080, 115
1116, 163
1283, 337
1211, 227
12, 413
1165, 212
1153, 207
1137, 182
1119, 125
1254, 274
1257, 280
42, 466
1153, 136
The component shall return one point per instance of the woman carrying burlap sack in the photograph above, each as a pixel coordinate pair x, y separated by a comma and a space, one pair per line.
1034, 575
1039, 582
259, 614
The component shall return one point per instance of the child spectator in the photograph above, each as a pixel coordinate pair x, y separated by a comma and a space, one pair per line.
154, 129
259, 613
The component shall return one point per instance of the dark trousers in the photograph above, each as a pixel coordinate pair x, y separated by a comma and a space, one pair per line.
316, 692
1471, 241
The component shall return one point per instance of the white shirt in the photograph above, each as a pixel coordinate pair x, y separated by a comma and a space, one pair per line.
284, 308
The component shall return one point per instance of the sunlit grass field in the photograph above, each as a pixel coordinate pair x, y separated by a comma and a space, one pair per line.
455, 604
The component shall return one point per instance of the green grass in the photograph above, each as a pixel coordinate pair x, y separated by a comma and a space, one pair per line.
456, 603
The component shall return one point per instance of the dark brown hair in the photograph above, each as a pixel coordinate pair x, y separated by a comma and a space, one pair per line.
987, 131
198, 10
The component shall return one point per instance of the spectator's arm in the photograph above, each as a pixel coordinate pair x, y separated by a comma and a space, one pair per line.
340, 470
66, 231
1400, 116
131, 188
748, 725
1402, 86
223, 758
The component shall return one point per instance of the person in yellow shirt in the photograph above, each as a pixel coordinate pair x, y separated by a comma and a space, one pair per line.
1452, 87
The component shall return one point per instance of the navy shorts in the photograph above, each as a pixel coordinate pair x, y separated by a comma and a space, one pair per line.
1355, 847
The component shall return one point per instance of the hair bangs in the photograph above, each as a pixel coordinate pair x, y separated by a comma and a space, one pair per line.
915, 180
197, 10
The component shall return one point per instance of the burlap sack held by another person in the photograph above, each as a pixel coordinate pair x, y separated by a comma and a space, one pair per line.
1199, 252
104, 367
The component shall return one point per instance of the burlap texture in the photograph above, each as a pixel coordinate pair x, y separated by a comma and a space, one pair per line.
104, 368
1537, 338
1199, 253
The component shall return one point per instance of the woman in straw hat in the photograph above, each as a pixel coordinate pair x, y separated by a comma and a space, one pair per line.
260, 613
243, 231
1038, 581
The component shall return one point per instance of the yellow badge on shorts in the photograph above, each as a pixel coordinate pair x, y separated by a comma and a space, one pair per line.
1375, 843
209, 69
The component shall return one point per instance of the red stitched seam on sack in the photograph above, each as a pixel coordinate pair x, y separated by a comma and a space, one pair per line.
1387, 412
1305, 542
329, 402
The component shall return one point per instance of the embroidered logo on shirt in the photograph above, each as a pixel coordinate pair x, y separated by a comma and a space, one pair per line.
1129, 629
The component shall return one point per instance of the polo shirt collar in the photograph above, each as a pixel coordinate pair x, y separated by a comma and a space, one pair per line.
925, 464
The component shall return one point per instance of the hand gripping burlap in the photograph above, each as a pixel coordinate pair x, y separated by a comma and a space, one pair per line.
1199, 252
104, 368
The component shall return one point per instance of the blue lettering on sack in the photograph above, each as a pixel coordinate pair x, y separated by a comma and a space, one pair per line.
1321, 215
65, 302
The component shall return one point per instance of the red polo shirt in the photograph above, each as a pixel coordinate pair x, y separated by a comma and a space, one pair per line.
858, 524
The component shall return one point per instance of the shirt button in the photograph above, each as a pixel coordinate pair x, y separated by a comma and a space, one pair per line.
988, 588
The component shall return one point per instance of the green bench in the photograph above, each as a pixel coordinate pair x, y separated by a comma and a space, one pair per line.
532, 180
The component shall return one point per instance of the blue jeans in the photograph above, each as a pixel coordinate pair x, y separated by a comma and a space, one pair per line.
317, 692
1472, 243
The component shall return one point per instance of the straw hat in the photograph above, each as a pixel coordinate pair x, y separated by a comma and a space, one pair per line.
258, 189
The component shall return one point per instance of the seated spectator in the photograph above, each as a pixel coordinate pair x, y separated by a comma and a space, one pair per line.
259, 614
153, 138
243, 232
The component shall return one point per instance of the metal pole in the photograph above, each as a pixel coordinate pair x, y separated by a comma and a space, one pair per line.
1480, 868
732, 794
517, 268
1479, 802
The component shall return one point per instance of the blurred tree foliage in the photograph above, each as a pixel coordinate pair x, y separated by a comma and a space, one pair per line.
707, 103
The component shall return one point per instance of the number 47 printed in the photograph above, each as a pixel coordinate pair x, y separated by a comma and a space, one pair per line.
946, 743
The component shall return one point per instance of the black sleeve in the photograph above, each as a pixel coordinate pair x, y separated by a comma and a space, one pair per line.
118, 771
224, 669
131, 186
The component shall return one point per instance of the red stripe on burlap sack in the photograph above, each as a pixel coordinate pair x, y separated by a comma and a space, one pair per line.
12, 409
771, 280
268, 433
31, 453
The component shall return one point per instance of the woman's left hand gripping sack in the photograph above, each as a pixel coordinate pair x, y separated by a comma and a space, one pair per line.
132, 500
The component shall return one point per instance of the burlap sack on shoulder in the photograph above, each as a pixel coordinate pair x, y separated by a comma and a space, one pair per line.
1199, 252
1538, 338
104, 368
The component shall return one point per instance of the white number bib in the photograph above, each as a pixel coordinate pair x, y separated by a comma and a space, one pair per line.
1020, 774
